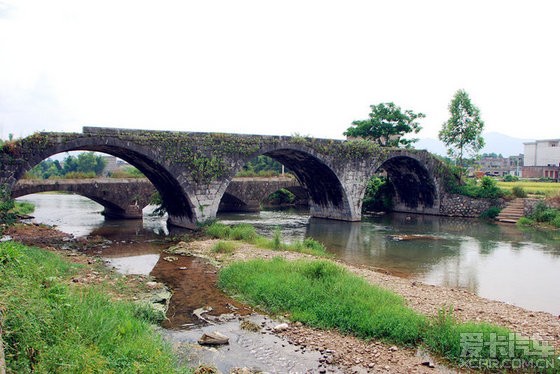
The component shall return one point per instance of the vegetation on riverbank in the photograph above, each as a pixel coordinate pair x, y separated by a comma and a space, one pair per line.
248, 234
542, 215
52, 324
334, 298
23, 208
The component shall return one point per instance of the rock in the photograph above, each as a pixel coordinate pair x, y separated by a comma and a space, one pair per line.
200, 311
393, 348
183, 268
250, 326
180, 248
213, 338
152, 285
428, 364
5, 238
171, 258
281, 327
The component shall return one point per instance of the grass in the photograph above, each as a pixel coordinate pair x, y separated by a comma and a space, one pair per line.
336, 299
224, 247
23, 208
52, 325
534, 188
248, 234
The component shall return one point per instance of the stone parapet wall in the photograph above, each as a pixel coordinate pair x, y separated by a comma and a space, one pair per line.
454, 205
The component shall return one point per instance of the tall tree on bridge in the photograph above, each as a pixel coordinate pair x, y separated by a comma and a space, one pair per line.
462, 133
386, 125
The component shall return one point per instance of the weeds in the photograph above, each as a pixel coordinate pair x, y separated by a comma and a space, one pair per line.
248, 234
224, 247
335, 298
50, 325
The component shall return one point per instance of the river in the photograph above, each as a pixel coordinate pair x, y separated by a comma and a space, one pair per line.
495, 261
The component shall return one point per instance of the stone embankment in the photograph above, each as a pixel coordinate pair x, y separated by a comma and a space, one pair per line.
454, 205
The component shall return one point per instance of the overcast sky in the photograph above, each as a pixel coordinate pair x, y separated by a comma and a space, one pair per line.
275, 67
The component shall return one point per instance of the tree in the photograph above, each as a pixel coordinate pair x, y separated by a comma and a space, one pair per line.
387, 124
462, 133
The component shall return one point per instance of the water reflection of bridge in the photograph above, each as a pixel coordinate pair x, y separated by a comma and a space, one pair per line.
126, 197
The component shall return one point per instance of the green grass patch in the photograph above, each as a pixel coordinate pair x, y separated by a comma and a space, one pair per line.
51, 325
23, 208
248, 234
224, 247
334, 298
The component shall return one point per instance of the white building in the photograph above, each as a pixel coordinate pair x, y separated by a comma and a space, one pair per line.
542, 159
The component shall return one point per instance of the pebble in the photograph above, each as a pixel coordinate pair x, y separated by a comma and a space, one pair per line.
281, 327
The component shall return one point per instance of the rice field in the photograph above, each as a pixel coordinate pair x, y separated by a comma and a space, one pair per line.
534, 188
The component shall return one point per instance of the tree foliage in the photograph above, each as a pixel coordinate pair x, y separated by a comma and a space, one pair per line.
386, 125
263, 166
462, 133
84, 163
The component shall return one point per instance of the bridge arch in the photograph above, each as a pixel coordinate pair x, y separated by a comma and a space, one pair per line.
321, 179
175, 197
120, 197
416, 185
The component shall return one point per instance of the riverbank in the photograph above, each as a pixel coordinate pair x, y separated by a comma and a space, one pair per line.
348, 353
67, 312
423, 298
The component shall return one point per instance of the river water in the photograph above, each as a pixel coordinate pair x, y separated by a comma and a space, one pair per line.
495, 261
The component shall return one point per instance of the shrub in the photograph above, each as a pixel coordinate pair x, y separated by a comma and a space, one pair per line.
543, 213
282, 196
491, 212
518, 191
488, 188
510, 178
7, 204
524, 221
379, 195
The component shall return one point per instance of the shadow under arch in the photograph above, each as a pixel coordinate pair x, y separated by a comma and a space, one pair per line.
175, 201
414, 186
231, 203
319, 180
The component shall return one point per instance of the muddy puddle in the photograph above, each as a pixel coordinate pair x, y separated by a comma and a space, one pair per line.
192, 281
198, 306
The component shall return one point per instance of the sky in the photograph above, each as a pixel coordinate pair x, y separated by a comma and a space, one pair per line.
275, 67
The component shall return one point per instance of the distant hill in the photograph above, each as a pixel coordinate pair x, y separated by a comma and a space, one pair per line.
495, 143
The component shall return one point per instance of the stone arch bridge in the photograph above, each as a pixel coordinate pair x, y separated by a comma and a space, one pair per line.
192, 171
126, 197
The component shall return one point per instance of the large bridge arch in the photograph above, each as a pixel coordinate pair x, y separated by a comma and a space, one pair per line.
121, 198
415, 177
322, 179
162, 175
